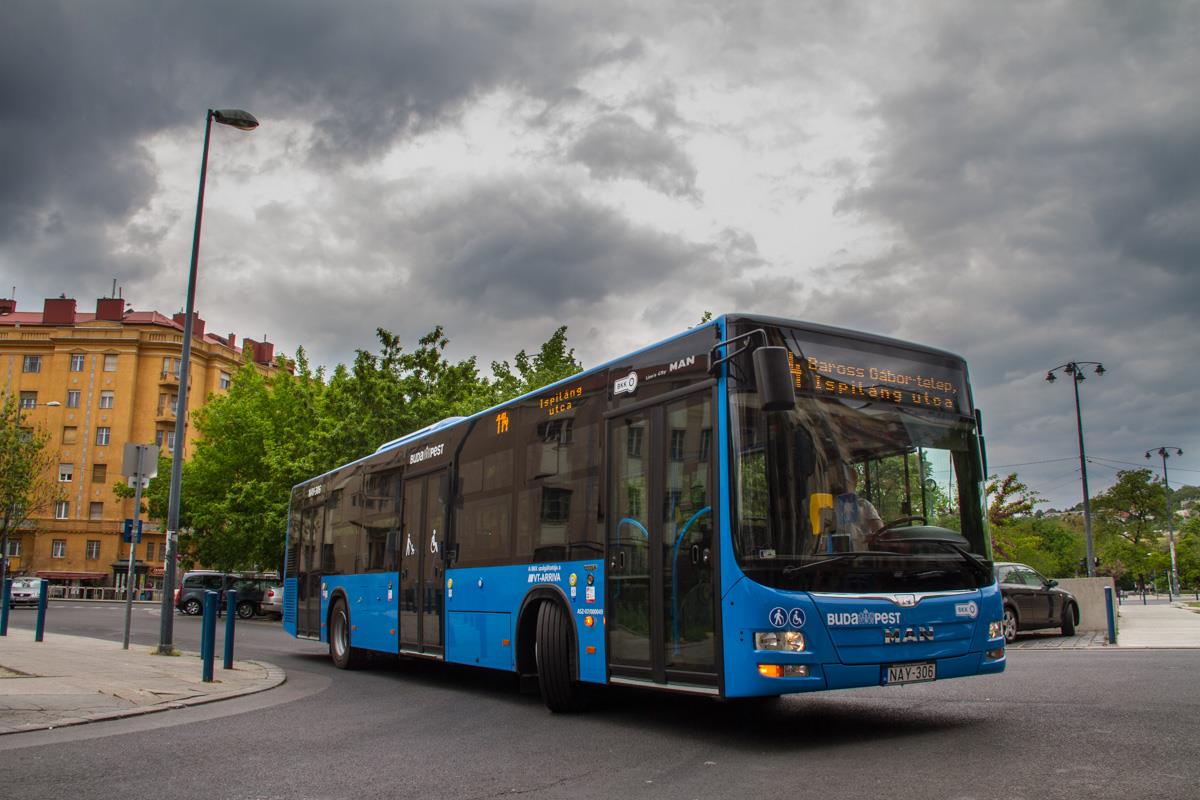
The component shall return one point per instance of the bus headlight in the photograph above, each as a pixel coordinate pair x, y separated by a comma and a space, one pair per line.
787, 641
995, 629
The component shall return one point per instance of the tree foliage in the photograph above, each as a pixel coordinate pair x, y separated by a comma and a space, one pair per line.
266, 436
27, 481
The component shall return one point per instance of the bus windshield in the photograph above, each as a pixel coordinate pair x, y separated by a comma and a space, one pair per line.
870, 483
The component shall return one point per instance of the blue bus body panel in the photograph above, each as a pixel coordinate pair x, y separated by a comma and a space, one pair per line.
482, 604
373, 601
844, 637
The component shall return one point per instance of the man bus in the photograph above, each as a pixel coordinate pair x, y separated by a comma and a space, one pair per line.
754, 507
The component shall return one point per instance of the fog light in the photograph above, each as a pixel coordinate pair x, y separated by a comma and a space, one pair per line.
995, 629
770, 670
996, 654
788, 641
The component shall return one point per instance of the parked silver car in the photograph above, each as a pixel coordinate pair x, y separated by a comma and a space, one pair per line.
25, 591
272, 602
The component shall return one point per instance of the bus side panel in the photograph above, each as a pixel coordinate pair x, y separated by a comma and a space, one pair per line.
482, 604
374, 606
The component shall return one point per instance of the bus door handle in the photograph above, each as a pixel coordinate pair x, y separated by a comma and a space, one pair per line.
618, 561
696, 554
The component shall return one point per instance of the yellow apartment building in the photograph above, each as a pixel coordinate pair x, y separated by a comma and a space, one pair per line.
96, 381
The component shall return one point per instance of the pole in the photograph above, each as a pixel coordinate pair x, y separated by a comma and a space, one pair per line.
231, 599
1076, 376
1174, 582
133, 543
167, 615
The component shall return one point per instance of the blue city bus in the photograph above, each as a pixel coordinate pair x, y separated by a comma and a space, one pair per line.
753, 507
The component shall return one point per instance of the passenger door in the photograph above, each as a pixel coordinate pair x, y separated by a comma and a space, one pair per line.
661, 551
421, 566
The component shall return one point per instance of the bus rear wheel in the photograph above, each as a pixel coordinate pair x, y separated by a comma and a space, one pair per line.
552, 651
343, 655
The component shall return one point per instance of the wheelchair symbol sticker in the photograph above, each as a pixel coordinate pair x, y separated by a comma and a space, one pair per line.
797, 618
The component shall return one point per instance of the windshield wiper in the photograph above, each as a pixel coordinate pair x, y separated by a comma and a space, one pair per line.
812, 564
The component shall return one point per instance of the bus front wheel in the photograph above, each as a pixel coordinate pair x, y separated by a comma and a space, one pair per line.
552, 651
344, 656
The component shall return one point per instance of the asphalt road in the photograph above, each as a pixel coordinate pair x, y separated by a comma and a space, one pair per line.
1071, 724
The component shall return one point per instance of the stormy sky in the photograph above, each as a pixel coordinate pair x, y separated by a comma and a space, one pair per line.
1016, 182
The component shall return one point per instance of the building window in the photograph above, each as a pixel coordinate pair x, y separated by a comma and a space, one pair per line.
170, 366
106, 399
72, 398
99, 473
110, 362
62, 509
102, 435
149, 551
96, 511
58, 549
170, 440
28, 399
31, 364
77, 362
65, 473
14, 548
225, 380
70, 433
93, 550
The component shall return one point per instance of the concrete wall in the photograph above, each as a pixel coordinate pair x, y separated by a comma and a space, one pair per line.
1093, 616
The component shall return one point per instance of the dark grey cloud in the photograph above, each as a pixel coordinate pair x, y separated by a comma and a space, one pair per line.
1045, 191
83, 84
617, 146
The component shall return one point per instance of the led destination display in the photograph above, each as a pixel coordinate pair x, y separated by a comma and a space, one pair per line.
840, 372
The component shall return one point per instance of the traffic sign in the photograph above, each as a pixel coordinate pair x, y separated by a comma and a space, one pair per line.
128, 531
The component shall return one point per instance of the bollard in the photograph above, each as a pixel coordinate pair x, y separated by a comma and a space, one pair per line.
43, 596
230, 616
8, 582
208, 635
1112, 619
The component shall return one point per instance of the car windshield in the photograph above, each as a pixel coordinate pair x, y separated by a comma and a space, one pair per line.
853, 490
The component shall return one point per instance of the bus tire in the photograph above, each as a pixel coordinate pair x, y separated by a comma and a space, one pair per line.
343, 655
553, 646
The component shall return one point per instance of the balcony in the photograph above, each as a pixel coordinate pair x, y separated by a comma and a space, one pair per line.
165, 414
168, 378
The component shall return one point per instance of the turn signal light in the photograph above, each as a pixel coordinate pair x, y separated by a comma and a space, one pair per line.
995, 654
783, 670
589, 621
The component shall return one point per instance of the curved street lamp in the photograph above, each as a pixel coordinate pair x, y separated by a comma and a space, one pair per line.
242, 120
1165, 452
1075, 370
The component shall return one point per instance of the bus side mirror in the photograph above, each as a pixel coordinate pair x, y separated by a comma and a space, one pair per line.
773, 379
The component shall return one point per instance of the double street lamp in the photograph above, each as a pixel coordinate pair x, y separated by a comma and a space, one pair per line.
245, 121
1165, 452
1075, 370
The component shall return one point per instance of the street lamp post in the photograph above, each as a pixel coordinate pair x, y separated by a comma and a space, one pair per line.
243, 121
1173, 583
1074, 369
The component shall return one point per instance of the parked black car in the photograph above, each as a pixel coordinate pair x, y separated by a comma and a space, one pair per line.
1032, 602
189, 597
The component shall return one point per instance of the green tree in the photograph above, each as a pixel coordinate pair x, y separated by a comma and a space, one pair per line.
553, 362
27, 484
1126, 517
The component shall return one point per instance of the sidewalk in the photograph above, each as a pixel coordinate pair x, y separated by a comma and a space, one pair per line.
1155, 625
1158, 625
70, 680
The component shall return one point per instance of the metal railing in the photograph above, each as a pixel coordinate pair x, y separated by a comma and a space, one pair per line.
100, 593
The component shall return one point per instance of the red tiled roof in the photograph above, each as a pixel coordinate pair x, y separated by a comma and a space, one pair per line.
131, 318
